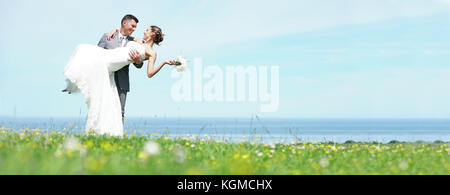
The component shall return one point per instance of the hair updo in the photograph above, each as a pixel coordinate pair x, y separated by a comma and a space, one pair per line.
159, 37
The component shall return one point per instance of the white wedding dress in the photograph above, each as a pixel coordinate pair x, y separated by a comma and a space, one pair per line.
90, 71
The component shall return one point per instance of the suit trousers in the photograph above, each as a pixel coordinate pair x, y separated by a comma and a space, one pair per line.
123, 99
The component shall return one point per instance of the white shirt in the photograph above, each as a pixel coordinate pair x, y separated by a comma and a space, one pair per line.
123, 39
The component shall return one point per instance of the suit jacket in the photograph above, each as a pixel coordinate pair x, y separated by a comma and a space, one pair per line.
121, 76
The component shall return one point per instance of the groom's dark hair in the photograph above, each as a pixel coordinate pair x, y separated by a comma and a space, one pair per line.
129, 17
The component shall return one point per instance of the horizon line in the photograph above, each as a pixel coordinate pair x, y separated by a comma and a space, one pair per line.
241, 117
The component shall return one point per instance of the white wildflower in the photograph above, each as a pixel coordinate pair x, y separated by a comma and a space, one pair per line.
83, 152
272, 145
71, 144
324, 162
403, 165
152, 148
180, 155
59, 152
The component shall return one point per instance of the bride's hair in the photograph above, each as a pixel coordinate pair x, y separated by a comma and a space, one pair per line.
159, 35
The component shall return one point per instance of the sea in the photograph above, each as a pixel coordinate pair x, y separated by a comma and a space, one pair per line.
259, 130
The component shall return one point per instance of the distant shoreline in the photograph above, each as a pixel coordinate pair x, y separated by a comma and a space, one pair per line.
230, 117
199, 137
267, 129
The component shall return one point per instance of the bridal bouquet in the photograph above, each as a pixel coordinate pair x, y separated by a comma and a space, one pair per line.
181, 64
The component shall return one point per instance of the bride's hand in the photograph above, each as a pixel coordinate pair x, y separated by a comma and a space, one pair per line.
170, 62
111, 34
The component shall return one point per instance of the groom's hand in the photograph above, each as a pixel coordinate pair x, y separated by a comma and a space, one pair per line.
135, 56
65, 90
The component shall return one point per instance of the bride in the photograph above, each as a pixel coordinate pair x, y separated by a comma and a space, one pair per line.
91, 69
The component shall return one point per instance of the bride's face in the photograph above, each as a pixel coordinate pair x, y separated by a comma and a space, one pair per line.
149, 33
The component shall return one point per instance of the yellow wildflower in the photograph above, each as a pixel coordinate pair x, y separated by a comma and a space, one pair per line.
143, 155
90, 144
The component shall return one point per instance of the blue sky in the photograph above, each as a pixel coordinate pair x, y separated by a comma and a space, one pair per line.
337, 59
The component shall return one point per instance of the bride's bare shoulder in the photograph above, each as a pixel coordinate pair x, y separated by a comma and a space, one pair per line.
141, 41
150, 52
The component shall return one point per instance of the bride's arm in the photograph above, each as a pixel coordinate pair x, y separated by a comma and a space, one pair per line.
151, 70
111, 34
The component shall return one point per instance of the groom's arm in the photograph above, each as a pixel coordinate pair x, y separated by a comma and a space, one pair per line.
102, 42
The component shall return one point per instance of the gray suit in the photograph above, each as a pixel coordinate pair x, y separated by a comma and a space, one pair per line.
121, 76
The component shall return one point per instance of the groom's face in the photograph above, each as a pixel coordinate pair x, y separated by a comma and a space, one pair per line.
129, 26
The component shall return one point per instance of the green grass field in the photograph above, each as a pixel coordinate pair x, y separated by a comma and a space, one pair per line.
39, 152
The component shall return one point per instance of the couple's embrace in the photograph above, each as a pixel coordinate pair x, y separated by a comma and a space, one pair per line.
100, 73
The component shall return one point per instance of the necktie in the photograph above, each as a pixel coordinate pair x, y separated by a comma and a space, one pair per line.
122, 41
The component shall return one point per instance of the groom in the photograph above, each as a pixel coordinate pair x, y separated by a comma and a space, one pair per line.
121, 38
